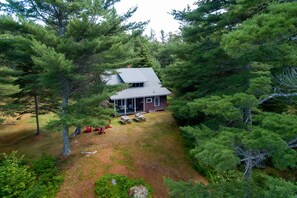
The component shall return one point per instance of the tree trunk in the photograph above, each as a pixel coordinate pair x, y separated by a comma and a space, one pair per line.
37, 114
65, 131
248, 174
66, 143
248, 118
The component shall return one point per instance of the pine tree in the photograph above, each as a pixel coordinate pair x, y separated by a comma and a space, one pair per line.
78, 42
143, 55
18, 56
231, 51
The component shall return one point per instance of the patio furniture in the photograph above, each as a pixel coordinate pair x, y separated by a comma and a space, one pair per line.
101, 130
125, 120
88, 129
139, 117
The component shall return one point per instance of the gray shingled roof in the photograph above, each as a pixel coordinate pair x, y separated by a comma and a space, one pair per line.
132, 75
152, 85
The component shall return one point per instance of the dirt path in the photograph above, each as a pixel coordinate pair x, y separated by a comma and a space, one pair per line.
151, 150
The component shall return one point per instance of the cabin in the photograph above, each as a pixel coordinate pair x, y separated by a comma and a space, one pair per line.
145, 92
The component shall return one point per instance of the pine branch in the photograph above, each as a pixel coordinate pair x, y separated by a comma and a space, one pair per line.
257, 158
251, 158
275, 95
292, 143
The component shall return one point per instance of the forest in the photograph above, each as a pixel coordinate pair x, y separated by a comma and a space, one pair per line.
231, 70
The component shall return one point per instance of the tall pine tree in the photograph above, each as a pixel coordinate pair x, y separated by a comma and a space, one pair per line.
74, 44
230, 53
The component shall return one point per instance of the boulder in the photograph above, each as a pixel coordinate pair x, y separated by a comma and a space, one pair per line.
138, 192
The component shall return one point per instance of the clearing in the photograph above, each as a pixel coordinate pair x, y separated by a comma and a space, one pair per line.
151, 150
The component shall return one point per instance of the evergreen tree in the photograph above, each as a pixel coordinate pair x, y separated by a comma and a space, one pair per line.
143, 55
18, 56
74, 47
230, 52
166, 50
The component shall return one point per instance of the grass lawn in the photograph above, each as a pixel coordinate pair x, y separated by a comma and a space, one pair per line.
20, 135
151, 150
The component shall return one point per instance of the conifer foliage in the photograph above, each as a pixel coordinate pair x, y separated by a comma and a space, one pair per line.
231, 56
73, 44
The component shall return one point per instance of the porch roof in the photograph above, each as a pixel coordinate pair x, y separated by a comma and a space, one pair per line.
141, 92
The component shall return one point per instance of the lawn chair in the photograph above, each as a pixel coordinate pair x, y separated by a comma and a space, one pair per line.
101, 130
88, 129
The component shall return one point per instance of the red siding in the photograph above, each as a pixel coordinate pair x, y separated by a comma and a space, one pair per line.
151, 106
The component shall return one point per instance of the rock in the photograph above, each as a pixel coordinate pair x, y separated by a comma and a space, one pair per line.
138, 192
113, 182
75, 141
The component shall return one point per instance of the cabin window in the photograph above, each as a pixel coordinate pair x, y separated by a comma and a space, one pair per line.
157, 100
149, 100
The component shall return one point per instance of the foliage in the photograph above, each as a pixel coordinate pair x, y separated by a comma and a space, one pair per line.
105, 188
15, 177
45, 167
186, 189
78, 44
234, 56
143, 55
48, 177
263, 186
42, 179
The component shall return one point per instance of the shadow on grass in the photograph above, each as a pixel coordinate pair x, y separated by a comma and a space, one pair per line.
27, 143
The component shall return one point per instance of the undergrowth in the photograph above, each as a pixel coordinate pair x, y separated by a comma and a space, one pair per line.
114, 185
20, 178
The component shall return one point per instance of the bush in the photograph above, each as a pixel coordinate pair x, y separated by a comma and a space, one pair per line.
46, 167
183, 189
105, 188
20, 180
15, 178
48, 178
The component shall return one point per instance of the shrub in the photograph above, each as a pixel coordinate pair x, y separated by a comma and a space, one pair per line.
15, 177
19, 180
45, 167
105, 188
48, 179
183, 189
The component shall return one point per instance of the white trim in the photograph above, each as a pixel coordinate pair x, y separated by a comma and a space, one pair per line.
157, 98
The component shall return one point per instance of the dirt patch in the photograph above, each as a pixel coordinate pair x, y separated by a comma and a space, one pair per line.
151, 150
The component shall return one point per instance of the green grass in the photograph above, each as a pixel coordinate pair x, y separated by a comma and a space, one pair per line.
123, 157
43, 119
20, 136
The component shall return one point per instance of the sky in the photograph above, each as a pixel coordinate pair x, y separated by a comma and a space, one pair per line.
157, 11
